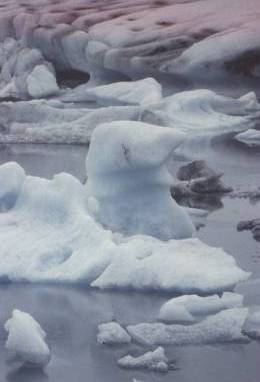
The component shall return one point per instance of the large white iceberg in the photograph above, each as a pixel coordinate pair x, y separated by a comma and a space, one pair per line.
59, 239
26, 340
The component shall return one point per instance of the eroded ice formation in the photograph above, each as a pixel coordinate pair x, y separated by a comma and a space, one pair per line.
127, 175
26, 340
57, 222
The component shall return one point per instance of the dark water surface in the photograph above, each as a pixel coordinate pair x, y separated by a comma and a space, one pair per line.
70, 315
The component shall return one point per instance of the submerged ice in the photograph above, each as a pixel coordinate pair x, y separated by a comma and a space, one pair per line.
64, 236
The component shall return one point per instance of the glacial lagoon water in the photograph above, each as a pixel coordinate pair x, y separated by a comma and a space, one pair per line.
70, 314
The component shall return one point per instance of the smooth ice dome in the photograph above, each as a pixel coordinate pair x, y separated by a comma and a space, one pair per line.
225, 326
153, 360
131, 182
191, 307
112, 333
26, 340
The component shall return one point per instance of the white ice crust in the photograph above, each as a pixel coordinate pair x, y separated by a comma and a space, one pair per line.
26, 340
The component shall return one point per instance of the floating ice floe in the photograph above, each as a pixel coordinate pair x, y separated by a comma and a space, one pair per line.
112, 333
153, 360
203, 112
190, 308
143, 92
225, 326
26, 340
24, 72
251, 137
55, 223
252, 324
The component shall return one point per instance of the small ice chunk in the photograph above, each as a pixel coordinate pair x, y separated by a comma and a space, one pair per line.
41, 82
225, 326
112, 333
188, 308
142, 92
251, 137
26, 340
252, 324
12, 177
152, 360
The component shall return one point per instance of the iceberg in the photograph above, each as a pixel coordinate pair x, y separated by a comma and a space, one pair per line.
192, 307
225, 326
112, 333
250, 137
61, 235
26, 340
131, 178
153, 360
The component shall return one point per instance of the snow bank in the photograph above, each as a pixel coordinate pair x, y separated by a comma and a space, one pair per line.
26, 340
131, 177
112, 333
252, 324
225, 326
153, 360
251, 137
191, 307
24, 72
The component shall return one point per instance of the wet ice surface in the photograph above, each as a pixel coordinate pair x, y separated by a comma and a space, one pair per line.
70, 315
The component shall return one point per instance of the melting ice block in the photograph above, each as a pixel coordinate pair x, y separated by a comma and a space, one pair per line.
127, 174
153, 360
26, 340
112, 333
225, 326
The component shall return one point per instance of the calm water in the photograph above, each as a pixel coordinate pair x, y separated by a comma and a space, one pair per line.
70, 315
